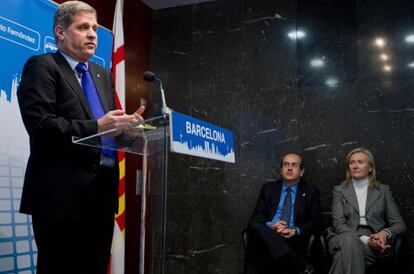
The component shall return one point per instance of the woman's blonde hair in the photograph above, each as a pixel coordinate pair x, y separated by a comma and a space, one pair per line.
372, 176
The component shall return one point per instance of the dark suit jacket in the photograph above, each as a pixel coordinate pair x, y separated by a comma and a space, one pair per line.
307, 215
54, 109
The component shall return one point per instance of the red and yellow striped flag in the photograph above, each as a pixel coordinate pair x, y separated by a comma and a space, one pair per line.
117, 265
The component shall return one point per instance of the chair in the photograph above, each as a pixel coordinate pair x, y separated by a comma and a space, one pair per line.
250, 265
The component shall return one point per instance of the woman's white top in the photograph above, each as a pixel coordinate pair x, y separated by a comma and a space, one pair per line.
361, 191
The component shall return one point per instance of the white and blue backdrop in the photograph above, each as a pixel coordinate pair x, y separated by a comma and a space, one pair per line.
25, 30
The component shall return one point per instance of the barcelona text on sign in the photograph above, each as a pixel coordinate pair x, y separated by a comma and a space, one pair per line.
204, 132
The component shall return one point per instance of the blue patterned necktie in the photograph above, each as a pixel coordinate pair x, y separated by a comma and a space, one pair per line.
95, 105
287, 207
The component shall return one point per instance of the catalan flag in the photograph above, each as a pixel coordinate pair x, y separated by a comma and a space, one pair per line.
117, 265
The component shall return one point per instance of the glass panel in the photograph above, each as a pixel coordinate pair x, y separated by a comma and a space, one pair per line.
152, 144
145, 143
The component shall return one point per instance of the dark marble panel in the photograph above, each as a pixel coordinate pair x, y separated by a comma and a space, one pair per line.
327, 131
247, 75
179, 104
262, 165
328, 117
269, 112
406, 128
212, 54
171, 43
223, 109
217, 16
387, 126
375, 21
179, 173
254, 10
328, 48
269, 55
220, 261
380, 122
269, 123
205, 238
384, 16
176, 77
175, 74
172, 29
195, 175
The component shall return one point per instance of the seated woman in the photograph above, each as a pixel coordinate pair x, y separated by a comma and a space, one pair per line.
365, 217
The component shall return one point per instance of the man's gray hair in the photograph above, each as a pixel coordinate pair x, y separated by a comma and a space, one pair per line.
67, 10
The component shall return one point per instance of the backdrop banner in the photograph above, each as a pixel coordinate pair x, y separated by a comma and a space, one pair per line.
25, 30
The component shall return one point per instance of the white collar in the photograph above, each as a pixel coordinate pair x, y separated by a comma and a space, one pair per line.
360, 183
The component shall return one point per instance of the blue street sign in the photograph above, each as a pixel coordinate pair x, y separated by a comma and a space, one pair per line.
198, 138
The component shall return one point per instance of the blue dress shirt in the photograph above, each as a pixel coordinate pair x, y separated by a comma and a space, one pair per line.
278, 214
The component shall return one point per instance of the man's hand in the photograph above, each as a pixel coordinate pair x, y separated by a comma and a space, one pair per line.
283, 230
138, 113
279, 226
119, 120
288, 233
134, 131
378, 241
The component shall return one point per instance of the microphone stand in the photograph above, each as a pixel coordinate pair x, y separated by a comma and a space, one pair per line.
164, 108
165, 111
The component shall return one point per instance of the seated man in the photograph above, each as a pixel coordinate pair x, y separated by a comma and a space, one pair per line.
287, 212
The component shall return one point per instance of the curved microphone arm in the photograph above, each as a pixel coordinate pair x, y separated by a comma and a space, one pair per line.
149, 76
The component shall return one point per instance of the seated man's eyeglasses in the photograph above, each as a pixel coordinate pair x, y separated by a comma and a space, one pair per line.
290, 165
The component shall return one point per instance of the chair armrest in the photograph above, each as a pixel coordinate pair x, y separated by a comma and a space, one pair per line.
316, 239
323, 246
310, 245
245, 239
397, 245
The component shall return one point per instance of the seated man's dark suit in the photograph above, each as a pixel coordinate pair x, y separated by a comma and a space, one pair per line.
267, 245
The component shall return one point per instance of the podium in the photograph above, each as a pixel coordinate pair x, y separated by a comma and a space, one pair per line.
152, 143
155, 138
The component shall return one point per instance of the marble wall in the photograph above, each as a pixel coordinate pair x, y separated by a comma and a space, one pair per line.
305, 76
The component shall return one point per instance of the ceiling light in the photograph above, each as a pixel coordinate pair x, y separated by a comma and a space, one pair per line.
317, 62
387, 68
297, 34
379, 42
409, 38
384, 57
332, 82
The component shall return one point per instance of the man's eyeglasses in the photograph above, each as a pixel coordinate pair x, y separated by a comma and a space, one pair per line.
290, 165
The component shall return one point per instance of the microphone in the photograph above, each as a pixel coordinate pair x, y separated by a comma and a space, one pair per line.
150, 76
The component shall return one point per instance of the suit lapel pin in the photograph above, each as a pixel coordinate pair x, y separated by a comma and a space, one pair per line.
97, 75
304, 194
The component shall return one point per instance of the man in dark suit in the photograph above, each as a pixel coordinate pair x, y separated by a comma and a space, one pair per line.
287, 212
70, 190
